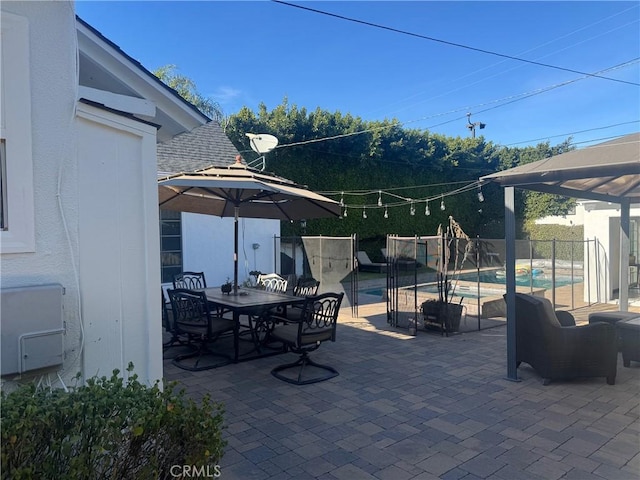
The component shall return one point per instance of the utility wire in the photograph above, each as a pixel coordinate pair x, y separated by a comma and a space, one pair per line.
459, 45
506, 101
513, 68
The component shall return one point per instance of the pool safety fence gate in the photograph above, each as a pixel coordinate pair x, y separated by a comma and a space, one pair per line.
471, 273
330, 260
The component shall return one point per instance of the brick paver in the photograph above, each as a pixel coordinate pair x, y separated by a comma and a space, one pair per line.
420, 407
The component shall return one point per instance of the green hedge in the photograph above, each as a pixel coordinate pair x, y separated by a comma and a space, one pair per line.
107, 429
564, 236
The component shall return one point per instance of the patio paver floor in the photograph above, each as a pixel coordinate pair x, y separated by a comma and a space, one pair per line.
420, 407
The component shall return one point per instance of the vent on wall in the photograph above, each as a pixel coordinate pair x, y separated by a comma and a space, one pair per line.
32, 328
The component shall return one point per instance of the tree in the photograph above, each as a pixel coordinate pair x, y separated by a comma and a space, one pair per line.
187, 89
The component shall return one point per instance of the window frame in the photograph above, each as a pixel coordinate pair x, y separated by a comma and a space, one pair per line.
167, 271
18, 236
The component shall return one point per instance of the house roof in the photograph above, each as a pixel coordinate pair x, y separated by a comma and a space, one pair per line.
105, 66
608, 171
203, 146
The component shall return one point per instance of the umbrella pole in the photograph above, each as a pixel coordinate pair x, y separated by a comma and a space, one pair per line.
235, 250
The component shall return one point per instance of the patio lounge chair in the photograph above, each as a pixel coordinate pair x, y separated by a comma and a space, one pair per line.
366, 265
556, 348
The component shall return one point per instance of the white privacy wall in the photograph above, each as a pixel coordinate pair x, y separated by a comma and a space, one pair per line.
602, 223
51, 62
119, 247
207, 245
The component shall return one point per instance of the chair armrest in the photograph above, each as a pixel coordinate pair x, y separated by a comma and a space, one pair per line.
565, 318
595, 336
282, 319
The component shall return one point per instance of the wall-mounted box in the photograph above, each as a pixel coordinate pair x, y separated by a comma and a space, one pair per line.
31, 328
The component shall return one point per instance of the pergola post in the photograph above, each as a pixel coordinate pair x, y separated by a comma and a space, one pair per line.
510, 270
623, 284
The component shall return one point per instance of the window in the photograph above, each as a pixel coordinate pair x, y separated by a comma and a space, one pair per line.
170, 244
17, 229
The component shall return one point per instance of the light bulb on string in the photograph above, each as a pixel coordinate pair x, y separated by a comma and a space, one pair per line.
480, 195
364, 212
342, 199
442, 207
386, 212
427, 212
379, 198
344, 214
412, 211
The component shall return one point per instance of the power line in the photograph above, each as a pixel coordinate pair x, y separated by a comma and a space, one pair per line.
511, 99
526, 51
446, 42
573, 133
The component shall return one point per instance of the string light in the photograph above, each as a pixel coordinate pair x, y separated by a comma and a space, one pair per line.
402, 200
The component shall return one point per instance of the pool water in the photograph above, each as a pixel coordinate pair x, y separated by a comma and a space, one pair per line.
539, 281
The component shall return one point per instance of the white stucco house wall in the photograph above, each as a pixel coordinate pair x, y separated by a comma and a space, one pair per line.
601, 223
80, 126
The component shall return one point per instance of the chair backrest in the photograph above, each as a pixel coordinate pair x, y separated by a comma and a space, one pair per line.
306, 287
363, 258
319, 318
272, 282
190, 309
536, 322
189, 280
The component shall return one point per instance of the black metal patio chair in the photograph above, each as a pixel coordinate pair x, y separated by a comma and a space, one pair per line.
317, 324
194, 320
190, 280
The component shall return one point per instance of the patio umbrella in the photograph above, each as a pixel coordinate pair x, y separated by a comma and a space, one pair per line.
240, 191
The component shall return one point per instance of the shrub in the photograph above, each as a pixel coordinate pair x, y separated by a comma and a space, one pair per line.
107, 429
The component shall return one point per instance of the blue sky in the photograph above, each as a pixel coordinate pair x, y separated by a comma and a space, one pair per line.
243, 53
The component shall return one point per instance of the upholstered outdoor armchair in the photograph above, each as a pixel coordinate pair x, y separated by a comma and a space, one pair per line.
556, 348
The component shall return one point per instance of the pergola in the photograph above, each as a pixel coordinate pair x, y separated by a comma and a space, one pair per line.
608, 172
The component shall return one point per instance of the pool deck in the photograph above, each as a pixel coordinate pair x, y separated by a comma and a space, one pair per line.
421, 407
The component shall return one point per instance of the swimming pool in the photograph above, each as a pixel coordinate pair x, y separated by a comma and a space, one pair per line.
541, 280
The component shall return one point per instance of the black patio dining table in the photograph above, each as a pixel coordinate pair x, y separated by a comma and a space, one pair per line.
252, 302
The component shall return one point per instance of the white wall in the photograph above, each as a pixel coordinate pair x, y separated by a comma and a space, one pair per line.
602, 224
52, 54
208, 246
576, 218
92, 234
118, 240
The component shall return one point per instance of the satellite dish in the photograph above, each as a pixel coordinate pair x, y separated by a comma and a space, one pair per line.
262, 143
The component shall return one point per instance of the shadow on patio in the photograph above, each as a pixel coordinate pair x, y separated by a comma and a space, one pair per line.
421, 407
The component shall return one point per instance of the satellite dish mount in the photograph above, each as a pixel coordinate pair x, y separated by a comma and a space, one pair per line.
261, 143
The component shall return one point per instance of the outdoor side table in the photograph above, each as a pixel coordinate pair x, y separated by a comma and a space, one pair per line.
629, 331
612, 318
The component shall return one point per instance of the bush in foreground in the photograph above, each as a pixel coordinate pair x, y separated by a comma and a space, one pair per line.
108, 429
